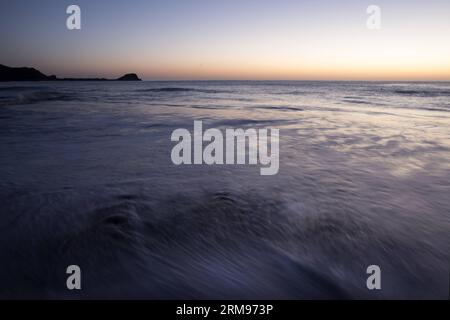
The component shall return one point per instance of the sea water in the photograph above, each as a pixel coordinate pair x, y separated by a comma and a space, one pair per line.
86, 179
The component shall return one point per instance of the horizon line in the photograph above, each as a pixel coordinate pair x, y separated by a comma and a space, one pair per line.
287, 80
235, 80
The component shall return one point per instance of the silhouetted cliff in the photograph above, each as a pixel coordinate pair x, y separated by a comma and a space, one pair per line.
129, 77
31, 74
23, 74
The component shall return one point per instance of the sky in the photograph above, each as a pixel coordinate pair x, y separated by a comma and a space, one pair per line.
230, 39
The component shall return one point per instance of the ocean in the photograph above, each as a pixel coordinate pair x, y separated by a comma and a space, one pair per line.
86, 179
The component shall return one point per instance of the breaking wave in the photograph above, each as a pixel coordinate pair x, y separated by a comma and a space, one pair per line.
28, 97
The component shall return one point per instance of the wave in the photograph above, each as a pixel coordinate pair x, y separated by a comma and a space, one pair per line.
217, 244
423, 93
20, 88
361, 101
180, 89
33, 97
278, 108
253, 122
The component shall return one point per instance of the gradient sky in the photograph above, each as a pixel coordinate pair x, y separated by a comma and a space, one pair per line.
230, 39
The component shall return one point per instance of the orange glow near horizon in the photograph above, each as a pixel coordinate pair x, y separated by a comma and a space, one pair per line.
361, 56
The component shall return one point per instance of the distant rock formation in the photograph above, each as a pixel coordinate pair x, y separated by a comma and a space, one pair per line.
129, 77
23, 74
31, 74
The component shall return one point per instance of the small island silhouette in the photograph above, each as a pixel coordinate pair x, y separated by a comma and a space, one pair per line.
31, 74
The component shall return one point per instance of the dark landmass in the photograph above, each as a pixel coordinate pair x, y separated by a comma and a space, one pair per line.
129, 77
23, 74
31, 74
